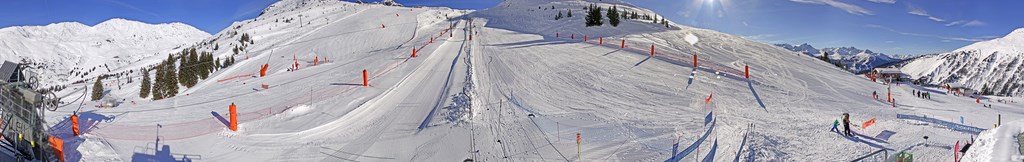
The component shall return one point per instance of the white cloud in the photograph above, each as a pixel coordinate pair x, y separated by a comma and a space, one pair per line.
850, 8
965, 23
944, 38
884, 1
974, 23
956, 23
921, 12
759, 37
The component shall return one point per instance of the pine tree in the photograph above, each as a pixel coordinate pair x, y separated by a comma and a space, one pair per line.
216, 46
559, 16
158, 83
97, 89
217, 64
594, 16
824, 57
145, 89
569, 14
171, 87
613, 16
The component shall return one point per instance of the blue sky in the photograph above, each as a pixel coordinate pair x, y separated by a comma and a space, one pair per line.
888, 26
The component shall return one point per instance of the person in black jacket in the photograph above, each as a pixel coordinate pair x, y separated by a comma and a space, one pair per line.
846, 125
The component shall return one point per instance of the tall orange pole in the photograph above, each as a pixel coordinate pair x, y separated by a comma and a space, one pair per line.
366, 81
585, 38
623, 43
600, 41
232, 110
74, 124
414, 52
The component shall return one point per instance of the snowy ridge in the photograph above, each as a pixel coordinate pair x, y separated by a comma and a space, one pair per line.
62, 53
857, 60
995, 65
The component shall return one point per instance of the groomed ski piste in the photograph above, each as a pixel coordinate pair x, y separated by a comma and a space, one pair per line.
510, 83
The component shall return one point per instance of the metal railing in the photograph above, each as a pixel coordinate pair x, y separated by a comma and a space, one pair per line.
880, 155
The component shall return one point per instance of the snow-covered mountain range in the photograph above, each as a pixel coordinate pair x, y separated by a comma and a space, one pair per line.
67, 52
995, 66
856, 59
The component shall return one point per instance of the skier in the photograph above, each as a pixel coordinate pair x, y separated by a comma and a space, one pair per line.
835, 126
874, 94
846, 125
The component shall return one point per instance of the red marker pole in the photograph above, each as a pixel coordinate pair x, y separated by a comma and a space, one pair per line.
652, 50
413, 52
585, 38
623, 43
366, 81
600, 41
694, 59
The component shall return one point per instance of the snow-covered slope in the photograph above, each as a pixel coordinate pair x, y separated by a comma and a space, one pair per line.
856, 59
510, 83
67, 52
996, 65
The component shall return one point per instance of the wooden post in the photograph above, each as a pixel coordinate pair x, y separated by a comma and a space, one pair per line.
232, 110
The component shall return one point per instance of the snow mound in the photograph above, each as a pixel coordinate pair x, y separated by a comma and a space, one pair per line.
997, 145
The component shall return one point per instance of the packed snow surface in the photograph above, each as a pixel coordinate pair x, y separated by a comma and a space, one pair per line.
510, 83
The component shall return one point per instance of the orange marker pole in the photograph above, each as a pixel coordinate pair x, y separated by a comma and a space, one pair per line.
585, 38
623, 43
74, 124
600, 41
232, 110
58, 147
413, 52
366, 81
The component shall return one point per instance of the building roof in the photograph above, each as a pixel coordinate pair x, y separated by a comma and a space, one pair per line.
9, 72
955, 85
889, 70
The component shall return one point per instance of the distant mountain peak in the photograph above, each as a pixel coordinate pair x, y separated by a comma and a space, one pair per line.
856, 59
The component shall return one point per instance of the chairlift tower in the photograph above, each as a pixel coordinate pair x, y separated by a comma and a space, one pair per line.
22, 110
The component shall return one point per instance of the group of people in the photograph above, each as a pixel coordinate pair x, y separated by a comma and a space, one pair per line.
924, 95
846, 126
